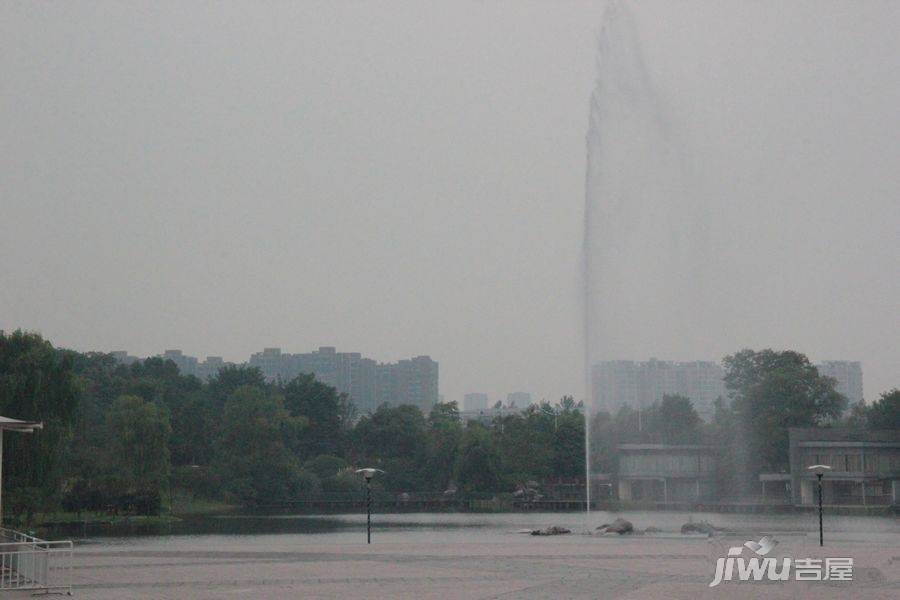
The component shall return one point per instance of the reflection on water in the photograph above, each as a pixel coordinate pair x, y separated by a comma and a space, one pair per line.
202, 525
455, 526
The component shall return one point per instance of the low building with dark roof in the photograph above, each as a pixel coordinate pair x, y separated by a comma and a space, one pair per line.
666, 474
865, 466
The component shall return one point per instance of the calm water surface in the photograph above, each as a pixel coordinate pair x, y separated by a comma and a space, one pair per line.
449, 528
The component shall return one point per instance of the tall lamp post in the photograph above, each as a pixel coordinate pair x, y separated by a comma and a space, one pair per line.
369, 473
820, 471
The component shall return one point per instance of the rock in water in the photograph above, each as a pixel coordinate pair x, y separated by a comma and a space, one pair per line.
699, 527
620, 526
554, 530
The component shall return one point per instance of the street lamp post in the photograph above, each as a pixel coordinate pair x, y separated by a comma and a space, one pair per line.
820, 471
369, 473
821, 534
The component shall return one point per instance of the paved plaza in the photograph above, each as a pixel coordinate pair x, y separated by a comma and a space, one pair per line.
508, 566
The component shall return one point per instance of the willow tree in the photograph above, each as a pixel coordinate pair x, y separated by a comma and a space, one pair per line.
36, 384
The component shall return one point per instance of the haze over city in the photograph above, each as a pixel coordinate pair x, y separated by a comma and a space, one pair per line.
410, 182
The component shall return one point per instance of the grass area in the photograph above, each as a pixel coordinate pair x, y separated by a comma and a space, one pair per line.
90, 517
179, 505
186, 505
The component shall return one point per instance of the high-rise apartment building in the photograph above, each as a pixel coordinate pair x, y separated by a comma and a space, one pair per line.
190, 365
849, 377
211, 367
417, 382
475, 401
368, 383
639, 384
187, 365
519, 399
123, 358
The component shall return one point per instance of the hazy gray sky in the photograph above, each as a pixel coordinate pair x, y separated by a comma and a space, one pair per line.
408, 178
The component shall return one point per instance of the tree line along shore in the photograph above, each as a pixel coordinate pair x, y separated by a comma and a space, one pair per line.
143, 439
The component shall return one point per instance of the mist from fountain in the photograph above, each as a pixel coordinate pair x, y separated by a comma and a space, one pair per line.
644, 224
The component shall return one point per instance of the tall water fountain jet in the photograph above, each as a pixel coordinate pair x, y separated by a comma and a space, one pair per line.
643, 221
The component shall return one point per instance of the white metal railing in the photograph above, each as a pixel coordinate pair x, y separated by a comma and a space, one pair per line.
29, 563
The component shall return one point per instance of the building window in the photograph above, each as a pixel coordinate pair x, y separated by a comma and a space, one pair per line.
819, 459
854, 463
878, 488
871, 463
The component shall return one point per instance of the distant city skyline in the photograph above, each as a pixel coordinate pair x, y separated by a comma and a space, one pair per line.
639, 384
415, 381
366, 382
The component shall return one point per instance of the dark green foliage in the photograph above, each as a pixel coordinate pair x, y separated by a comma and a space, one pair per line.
121, 437
321, 406
478, 468
393, 438
138, 451
676, 420
568, 441
325, 465
771, 392
345, 484
444, 434
229, 379
37, 383
526, 443
885, 412
253, 456
197, 481
389, 432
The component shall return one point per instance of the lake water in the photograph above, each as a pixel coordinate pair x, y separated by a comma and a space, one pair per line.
447, 556
449, 528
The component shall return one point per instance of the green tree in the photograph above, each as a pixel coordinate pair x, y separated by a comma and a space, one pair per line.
857, 415
325, 466
391, 431
443, 415
525, 443
94, 483
568, 440
193, 429
253, 456
101, 381
346, 483
37, 383
676, 420
190, 411
885, 412
138, 451
393, 438
567, 404
478, 469
771, 392
322, 407
229, 379
444, 435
